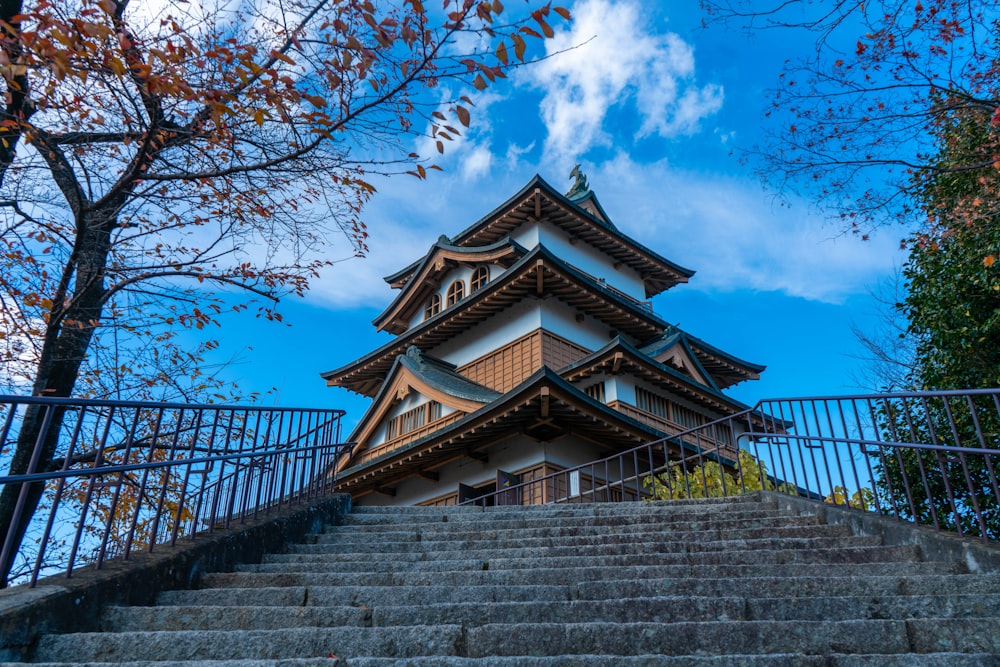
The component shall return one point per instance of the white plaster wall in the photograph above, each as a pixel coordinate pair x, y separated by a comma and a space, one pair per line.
513, 453
462, 273
613, 390
560, 319
526, 234
589, 259
623, 389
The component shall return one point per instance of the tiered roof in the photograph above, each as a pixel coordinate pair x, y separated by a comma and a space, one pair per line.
550, 402
540, 274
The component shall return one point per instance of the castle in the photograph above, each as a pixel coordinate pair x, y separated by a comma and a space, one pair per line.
524, 345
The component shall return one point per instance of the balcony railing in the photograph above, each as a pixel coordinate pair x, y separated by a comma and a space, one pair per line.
931, 458
131, 475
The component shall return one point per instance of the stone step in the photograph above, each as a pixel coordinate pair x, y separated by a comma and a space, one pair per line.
794, 527
695, 504
959, 584
728, 568
696, 507
374, 523
778, 660
979, 635
634, 610
542, 574
611, 589
370, 596
715, 583
440, 640
661, 543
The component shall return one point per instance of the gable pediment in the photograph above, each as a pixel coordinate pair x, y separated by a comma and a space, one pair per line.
680, 359
414, 376
419, 281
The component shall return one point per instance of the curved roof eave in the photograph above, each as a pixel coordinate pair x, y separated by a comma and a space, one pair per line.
444, 243
539, 252
617, 343
673, 334
407, 289
539, 182
543, 376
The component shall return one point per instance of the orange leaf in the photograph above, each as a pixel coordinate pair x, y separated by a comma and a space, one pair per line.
502, 53
989, 260
278, 55
479, 82
519, 46
563, 12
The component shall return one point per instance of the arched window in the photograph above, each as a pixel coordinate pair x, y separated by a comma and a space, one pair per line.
480, 277
433, 306
456, 292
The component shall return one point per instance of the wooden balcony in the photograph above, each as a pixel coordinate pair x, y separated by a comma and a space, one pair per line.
702, 438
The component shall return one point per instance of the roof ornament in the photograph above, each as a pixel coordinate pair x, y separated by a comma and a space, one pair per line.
413, 352
580, 185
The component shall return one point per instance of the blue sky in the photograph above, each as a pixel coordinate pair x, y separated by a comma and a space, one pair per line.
655, 107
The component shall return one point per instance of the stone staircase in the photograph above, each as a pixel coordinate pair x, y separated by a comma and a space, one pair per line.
700, 583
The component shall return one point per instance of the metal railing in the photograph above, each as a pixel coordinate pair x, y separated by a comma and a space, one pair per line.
931, 458
106, 478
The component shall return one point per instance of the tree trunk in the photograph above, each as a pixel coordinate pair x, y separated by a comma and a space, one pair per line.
67, 339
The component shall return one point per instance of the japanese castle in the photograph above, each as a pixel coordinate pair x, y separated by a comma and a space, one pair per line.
524, 345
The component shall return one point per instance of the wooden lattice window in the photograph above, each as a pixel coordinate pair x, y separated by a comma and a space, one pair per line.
456, 292
687, 417
651, 403
413, 419
596, 392
480, 277
724, 433
433, 306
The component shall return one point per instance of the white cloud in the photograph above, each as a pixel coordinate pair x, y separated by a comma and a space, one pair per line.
476, 162
724, 227
611, 58
404, 219
735, 236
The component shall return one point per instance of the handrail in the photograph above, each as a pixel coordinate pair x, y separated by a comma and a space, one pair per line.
137, 474
931, 458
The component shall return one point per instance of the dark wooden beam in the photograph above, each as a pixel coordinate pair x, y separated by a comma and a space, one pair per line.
476, 456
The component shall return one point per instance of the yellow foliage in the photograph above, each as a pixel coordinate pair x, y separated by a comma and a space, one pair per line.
711, 480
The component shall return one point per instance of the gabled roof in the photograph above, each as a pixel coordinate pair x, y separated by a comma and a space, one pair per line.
443, 247
539, 201
724, 368
420, 279
430, 377
539, 274
544, 406
619, 356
